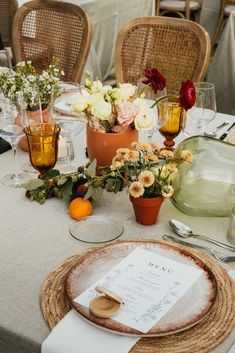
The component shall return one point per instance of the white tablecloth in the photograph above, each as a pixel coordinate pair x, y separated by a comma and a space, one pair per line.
34, 239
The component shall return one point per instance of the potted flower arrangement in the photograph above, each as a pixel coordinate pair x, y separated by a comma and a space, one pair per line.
25, 82
150, 171
114, 117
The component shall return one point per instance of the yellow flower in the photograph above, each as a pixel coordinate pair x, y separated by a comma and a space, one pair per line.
154, 146
146, 178
172, 167
165, 154
132, 156
187, 156
151, 156
116, 165
143, 146
136, 189
122, 150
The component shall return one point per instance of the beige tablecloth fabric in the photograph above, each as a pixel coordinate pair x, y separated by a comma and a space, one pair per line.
34, 239
222, 69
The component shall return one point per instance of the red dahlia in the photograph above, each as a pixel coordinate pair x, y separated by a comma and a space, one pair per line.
155, 79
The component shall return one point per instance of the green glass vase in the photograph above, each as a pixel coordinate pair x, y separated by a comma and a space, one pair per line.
207, 186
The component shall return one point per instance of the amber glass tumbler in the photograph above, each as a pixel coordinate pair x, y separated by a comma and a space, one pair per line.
43, 145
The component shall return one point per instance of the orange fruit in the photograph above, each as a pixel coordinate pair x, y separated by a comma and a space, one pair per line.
79, 208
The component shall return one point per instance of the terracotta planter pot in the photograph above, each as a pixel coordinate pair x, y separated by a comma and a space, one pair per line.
147, 210
103, 146
32, 116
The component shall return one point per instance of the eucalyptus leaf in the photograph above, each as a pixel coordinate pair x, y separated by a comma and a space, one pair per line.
91, 170
97, 194
67, 190
32, 184
89, 192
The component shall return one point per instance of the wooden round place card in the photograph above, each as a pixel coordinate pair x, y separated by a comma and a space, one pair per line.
107, 305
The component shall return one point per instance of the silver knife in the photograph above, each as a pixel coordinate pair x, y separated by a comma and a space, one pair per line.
225, 134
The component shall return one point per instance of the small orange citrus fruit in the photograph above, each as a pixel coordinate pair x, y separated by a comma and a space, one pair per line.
79, 208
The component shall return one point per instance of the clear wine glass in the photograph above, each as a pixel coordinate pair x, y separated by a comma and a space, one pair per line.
71, 125
28, 118
12, 133
203, 111
147, 93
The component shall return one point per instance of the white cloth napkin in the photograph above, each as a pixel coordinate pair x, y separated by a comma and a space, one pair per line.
75, 335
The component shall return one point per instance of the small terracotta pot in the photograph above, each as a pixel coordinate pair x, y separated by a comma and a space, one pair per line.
103, 146
33, 115
147, 210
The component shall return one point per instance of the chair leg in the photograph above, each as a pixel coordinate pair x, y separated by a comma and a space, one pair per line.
157, 7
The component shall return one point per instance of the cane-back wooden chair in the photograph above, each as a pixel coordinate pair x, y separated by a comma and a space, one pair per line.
44, 29
181, 8
178, 48
8, 9
226, 7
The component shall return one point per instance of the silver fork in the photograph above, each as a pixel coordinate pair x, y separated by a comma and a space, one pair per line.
218, 255
214, 132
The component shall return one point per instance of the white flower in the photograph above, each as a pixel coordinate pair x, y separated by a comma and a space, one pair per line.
127, 90
80, 104
101, 109
144, 119
96, 87
167, 191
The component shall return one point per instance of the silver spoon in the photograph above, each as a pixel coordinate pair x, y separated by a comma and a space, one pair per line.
184, 231
214, 132
218, 255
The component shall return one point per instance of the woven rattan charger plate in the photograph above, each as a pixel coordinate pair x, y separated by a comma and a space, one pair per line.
201, 338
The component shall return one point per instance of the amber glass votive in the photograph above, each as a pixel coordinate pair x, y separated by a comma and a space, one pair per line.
43, 145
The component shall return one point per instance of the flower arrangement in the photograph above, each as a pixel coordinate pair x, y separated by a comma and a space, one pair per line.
23, 79
149, 169
146, 168
114, 110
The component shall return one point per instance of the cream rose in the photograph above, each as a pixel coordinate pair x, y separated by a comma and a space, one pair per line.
101, 109
127, 90
144, 120
80, 104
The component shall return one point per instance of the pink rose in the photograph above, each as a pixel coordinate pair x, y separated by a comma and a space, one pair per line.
126, 113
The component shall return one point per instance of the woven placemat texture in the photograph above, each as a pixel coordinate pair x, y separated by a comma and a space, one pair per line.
202, 338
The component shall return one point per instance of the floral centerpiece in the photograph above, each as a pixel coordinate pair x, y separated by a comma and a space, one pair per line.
114, 117
114, 110
24, 80
146, 169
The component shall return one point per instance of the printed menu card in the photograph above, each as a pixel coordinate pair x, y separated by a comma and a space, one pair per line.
148, 283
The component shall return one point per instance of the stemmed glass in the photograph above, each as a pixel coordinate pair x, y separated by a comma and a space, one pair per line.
29, 118
169, 109
12, 133
150, 96
203, 111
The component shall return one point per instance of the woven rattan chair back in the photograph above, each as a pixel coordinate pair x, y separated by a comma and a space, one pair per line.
222, 17
183, 11
179, 48
44, 29
8, 9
